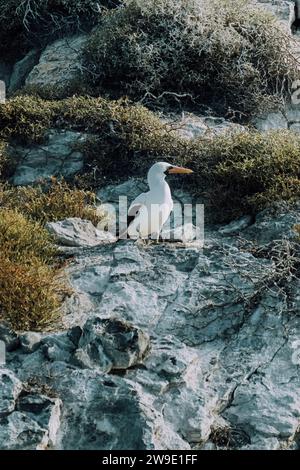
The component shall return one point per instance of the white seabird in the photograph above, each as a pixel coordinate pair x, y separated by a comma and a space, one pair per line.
151, 210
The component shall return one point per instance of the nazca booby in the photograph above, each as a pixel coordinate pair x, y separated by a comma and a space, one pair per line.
151, 210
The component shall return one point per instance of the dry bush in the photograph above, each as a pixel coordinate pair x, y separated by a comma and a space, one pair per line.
21, 239
228, 437
247, 171
25, 119
222, 52
28, 294
51, 202
29, 286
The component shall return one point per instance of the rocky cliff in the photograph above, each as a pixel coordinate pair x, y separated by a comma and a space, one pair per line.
169, 345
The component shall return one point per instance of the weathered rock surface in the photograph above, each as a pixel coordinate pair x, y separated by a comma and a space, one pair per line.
191, 126
236, 226
21, 70
30, 341
59, 63
224, 347
165, 346
272, 121
78, 233
56, 157
32, 426
29, 420
9, 337
10, 389
111, 345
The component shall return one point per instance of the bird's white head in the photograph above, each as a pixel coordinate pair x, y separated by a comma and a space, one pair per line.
159, 171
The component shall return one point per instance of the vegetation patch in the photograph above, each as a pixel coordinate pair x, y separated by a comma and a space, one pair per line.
28, 294
228, 437
32, 286
234, 173
224, 53
25, 119
51, 202
29, 288
22, 239
246, 172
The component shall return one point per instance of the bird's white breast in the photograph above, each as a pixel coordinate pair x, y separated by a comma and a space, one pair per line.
154, 212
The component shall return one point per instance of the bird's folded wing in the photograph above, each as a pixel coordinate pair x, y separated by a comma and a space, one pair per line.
137, 204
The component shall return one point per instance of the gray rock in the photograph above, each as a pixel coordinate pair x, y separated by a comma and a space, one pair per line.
9, 337
295, 127
33, 425
236, 226
185, 233
112, 345
21, 70
131, 188
293, 114
274, 224
224, 345
10, 389
79, 233
30, 342
58, 347
18, 431
271, 121
45, 411
56, 157
191, 126
59, 63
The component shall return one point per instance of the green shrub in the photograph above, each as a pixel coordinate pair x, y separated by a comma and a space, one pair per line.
246, 172
28, 294
29, 287
26, 24
224, 53
55, 201
21, 239
25, 119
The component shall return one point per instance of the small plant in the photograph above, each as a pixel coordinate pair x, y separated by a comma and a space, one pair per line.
21, 239
51, 202
29, 287
229, 438
28, 294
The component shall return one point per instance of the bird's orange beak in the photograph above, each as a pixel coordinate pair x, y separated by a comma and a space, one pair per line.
180, 169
